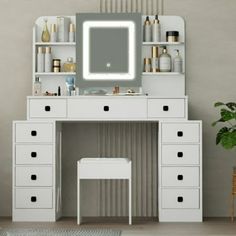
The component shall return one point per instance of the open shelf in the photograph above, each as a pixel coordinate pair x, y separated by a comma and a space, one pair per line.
54, 73
55, 43
162, 43
161, 73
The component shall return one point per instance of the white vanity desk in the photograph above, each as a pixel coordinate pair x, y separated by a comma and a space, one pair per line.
37, 152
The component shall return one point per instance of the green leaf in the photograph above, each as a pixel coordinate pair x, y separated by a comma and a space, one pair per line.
217, 104
227, 115
220, 134
228, 140
220, 120
231, 106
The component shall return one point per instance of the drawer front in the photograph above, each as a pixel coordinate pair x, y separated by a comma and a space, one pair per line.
180, 176
33, 176
180, 198
47, 108
34, 154
166, 108
33, 198
180, 154
34, 132
180, 132
107, 108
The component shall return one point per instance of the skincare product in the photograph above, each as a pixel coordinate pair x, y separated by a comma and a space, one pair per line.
177, 63
154, 60
48, 60
69, 65
165, 61
156, 30
59, 91
53, 33
70, 85
172, 36
77, 91
72, 33
147, 65
40, 60
37, 87
147, 30
63, 28
45, 34
56, 65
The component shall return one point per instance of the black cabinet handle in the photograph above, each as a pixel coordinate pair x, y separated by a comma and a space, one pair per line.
180, 154
180, 199
165, 108
106, 108
47, 108
180, 134
33, 177
33, 199
33, 154
180, 177
33, 133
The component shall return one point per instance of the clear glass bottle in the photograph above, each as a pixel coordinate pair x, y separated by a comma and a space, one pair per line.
69, 65
37, 87
177, 63
45, 34
165, 61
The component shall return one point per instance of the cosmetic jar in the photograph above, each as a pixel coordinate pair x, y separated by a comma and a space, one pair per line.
172, 36
56, 62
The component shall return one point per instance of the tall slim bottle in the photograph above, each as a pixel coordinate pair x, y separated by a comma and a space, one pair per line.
177, 63
40, 60
147, 31
48, 60
156, 30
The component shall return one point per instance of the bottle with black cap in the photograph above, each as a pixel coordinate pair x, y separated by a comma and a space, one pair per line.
147, 30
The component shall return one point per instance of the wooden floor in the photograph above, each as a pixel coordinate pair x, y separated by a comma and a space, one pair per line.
210, 226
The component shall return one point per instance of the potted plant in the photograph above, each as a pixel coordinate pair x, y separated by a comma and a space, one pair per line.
226, 136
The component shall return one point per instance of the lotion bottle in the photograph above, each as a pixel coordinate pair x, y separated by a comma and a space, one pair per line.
177, 63
165, 61
40, 60
147, 30
154, 60
72, 33
156, 30
48, 60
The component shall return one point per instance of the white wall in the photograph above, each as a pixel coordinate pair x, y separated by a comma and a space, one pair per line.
211, 76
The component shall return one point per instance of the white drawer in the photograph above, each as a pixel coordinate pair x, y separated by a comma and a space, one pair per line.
47, 108
180, 176
33, 154
180, 198
134, 108
33, 198
33, 176
166, 108
181, 132
33, 132
180, 154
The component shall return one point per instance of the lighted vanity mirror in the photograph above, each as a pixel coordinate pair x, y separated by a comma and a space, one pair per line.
108, 49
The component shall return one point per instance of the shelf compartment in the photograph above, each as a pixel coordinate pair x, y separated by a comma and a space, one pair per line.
54, 73
162, 43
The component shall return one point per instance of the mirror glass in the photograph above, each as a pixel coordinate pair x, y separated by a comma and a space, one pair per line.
109, 49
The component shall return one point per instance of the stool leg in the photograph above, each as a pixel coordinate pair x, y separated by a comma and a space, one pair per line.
130, 202
78, 199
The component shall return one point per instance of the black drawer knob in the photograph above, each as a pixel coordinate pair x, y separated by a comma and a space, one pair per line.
180, 177
180, 133
180, 154
180, 199
33, 154
106, 108
33, 177
33, 199
33, 133
47, 108
165, 108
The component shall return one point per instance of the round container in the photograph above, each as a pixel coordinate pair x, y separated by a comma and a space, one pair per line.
56, 62
56, 69
172, 36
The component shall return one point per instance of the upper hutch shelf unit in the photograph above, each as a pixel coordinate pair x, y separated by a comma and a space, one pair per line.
153, 83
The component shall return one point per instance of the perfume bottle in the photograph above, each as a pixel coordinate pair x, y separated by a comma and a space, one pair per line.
165, 61
45, 34
69, 65
37, 87
177, 63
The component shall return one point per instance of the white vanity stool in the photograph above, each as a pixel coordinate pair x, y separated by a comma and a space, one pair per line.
103, 168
